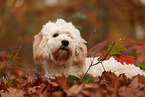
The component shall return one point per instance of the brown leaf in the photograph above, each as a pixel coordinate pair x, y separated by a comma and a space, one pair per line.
86, 93
3, 86
91, 86
3, 66
74, 90
54, 84
13, 93
140, 53
134, 89
141, 78
105, 55
62, 82
110, 79
134, 83
18, 72
17, 84
32, 90
96, 49
57, 94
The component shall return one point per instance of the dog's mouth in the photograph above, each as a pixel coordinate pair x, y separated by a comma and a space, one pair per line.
62, 54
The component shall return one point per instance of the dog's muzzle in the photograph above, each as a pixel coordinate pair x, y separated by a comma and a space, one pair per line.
62, 54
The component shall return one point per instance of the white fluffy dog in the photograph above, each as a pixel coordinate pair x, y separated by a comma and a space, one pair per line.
62, 50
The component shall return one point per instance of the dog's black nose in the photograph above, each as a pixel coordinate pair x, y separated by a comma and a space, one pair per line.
65, 43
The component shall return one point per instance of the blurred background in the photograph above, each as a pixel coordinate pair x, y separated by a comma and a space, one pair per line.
97, 20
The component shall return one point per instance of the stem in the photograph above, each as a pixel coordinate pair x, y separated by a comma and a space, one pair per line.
97, 63
89, 68
103, 66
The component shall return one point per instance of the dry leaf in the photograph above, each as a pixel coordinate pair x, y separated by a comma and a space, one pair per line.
57, 94
13, 93
74, 90
140, 53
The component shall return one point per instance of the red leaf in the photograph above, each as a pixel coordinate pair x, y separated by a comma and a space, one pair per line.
137, 42
129, 46
3, 56
124, 58
96, 49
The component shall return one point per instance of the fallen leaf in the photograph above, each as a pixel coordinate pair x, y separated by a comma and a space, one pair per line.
87, 79
63, 83
54, 84
3, 66
86, 93
57, 94
140, 53
124, 58
13, 93
72, 79
134, 83
134, 89
74, 90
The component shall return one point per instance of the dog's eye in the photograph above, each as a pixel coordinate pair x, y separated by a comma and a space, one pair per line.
70, 36
55, 35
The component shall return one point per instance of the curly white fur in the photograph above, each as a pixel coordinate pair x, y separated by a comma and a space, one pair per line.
62, 51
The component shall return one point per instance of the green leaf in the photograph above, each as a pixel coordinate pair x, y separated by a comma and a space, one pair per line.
61, 18
79, 27
97, 82
10, 55
72, 79
87, 79
59, 76
80, 16
10, 81
116, 49
142, 65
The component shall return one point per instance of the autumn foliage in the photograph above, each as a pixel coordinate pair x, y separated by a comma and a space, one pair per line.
97, 20
18, 82
3, 56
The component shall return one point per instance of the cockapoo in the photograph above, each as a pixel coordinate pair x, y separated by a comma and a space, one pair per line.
62, 51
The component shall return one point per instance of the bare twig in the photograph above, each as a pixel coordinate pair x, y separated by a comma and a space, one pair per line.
37, 75
91, 37
15, 56
100, 61
10, 62
101, 77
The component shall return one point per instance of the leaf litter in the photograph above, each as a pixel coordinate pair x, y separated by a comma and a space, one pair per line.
109, 86
17, 82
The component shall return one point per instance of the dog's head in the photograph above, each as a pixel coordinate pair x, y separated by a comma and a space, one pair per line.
59, 43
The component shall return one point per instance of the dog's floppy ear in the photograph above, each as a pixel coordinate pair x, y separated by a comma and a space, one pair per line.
80, 53
36, 48
39, 45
